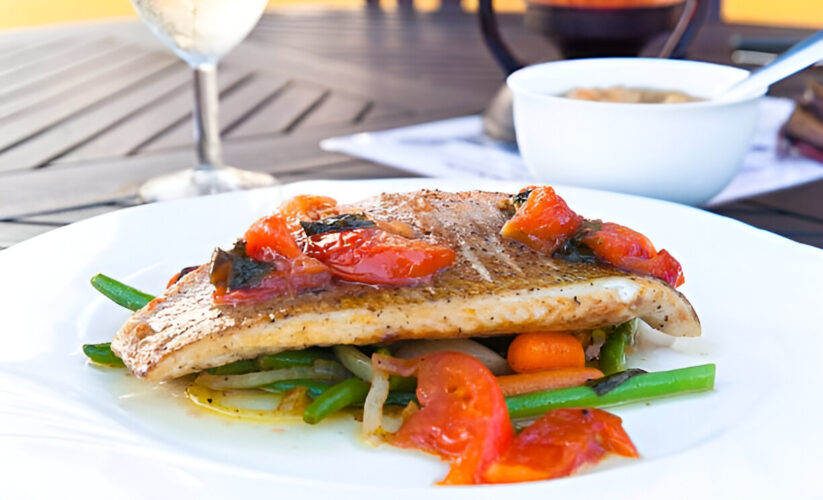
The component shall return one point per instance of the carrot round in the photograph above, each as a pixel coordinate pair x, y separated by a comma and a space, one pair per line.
534, 352
561, 378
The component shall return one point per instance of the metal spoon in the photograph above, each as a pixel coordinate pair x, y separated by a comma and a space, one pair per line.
799, 57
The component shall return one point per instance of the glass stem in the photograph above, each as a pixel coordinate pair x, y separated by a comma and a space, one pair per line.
206, 124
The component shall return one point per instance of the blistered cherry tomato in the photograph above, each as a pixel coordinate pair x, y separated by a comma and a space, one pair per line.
373, 256
559, 444
291, 277
463, 417
306, 207
544, 222
270, 238
627, 249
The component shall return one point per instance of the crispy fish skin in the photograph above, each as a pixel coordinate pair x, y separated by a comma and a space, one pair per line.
496, 286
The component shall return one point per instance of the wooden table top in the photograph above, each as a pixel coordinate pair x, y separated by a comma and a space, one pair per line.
88, 113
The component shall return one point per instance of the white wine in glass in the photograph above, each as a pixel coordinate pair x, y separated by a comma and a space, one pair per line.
200, 32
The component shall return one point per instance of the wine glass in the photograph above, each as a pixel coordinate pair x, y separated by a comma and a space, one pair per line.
200, 32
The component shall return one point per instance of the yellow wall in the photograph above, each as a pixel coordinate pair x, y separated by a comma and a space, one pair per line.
19, 13
798, 13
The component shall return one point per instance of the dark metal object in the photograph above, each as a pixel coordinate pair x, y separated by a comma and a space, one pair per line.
601, 32
585, 32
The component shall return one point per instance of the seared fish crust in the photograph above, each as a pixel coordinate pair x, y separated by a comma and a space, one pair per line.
496, 286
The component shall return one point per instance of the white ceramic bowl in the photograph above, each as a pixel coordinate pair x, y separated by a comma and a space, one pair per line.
681, 152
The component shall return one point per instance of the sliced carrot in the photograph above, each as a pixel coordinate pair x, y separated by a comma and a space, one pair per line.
534, 352
561, 378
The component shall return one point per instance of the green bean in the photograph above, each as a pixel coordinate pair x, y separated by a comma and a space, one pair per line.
613, 353
120, 293
639, 388
346, 393
102, 354
397, 398
314, 387
403, 384
235, 368
285, 359
400, 398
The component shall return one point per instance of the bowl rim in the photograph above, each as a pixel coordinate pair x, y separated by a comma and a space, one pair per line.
513, 81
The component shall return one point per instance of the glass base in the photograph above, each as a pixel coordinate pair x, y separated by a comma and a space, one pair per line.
202, 181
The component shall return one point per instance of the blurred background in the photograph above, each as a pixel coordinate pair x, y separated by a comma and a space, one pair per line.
18, 14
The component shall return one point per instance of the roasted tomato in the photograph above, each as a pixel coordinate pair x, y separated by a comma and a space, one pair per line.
374, 256
463, 417
290, 276
543, 222
306, 207
270, 238
627, 249
285, 270
559, 444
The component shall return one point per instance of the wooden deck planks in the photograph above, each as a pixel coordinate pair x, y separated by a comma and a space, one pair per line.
337, 109
283, 112
169, 113
55, 82
76, 130
235, 106
94, 94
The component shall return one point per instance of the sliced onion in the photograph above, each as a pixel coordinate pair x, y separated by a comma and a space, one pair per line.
356, 362
254, 406
496, 363
373, 407
256, 379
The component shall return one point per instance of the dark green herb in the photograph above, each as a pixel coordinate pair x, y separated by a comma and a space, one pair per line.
520, 198
607, 384
234, 269
342, 222
574, 250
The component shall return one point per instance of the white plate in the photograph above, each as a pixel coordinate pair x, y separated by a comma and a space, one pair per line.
66, 426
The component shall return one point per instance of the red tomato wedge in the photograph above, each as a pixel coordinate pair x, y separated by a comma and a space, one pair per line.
559, 444
544, 222
463, 417
269, 239
373, 256
627, 249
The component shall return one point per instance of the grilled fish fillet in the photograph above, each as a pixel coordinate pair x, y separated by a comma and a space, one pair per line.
495, 286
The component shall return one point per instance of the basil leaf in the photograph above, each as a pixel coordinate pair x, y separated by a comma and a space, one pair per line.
607, 384
342, 222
